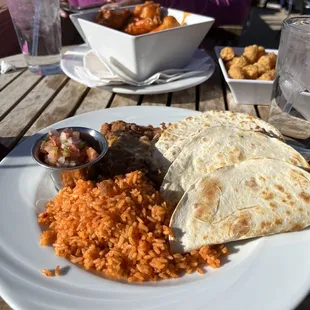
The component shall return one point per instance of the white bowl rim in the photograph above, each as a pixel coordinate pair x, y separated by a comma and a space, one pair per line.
208, 19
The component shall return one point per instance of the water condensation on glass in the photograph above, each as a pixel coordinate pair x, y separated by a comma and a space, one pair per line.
290, 104
37, 25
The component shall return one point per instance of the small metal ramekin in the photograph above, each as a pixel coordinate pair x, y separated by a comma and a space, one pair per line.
93, 139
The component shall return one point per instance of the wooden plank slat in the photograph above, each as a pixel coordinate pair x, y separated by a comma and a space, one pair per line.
3, 305
211, 93
243, 108
12, 128
17, 60
62, 106
125, 100
16, 90
96, 99
185, 99
9, 77
263, 111
155, 100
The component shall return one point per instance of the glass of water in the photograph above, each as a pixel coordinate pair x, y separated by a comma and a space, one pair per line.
290, 106
37, 26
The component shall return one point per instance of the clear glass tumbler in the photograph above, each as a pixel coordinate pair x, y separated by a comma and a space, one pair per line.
290, 106
38, 29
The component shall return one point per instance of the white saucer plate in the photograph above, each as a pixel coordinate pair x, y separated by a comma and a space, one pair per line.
74, 58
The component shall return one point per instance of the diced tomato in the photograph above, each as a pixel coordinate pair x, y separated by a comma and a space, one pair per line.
65, 149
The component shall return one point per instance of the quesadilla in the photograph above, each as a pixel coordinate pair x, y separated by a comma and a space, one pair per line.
217, 147
254, 198
177, 135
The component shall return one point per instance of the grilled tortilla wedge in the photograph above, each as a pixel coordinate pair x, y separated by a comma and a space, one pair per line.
254, 198
177, 135
217, 147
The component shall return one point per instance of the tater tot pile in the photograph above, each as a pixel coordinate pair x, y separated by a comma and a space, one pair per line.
253, 64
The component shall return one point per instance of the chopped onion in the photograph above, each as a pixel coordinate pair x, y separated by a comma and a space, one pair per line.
66, 149
63, 137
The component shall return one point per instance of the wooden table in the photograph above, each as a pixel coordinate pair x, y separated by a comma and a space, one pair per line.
29, 103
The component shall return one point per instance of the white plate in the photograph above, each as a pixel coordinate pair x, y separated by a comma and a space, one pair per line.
75, 58
263, 274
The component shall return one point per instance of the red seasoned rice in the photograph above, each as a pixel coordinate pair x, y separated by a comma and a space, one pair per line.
119, 227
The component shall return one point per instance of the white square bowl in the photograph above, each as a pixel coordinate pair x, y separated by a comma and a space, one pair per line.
247, 91
256, 91
143, 55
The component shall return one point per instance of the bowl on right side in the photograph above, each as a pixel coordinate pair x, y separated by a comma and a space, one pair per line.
257, 92
247, 91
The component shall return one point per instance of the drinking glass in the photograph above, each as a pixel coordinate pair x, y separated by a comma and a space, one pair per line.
37, 26
290, 106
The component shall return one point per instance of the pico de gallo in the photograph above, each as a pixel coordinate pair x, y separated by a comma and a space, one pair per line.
66, 149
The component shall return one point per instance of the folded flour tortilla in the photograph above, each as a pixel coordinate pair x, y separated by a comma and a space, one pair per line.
177, 135
254, 198
216, 147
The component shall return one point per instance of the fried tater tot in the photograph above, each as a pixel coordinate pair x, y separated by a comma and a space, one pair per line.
250, 72
261, 68
236, 72
264, 64
251, 53
273, 59
228, 64
227, 54
239, 62
261, 52
265, 61
268, 76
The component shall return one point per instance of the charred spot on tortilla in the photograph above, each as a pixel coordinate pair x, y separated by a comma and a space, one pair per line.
296, 227
210, 201
279, 187
267, 195
251, 183
265, 225
220, 155
288, 196
304, 196
278, 221
273, 206
235, 155
241, 226
261, 178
